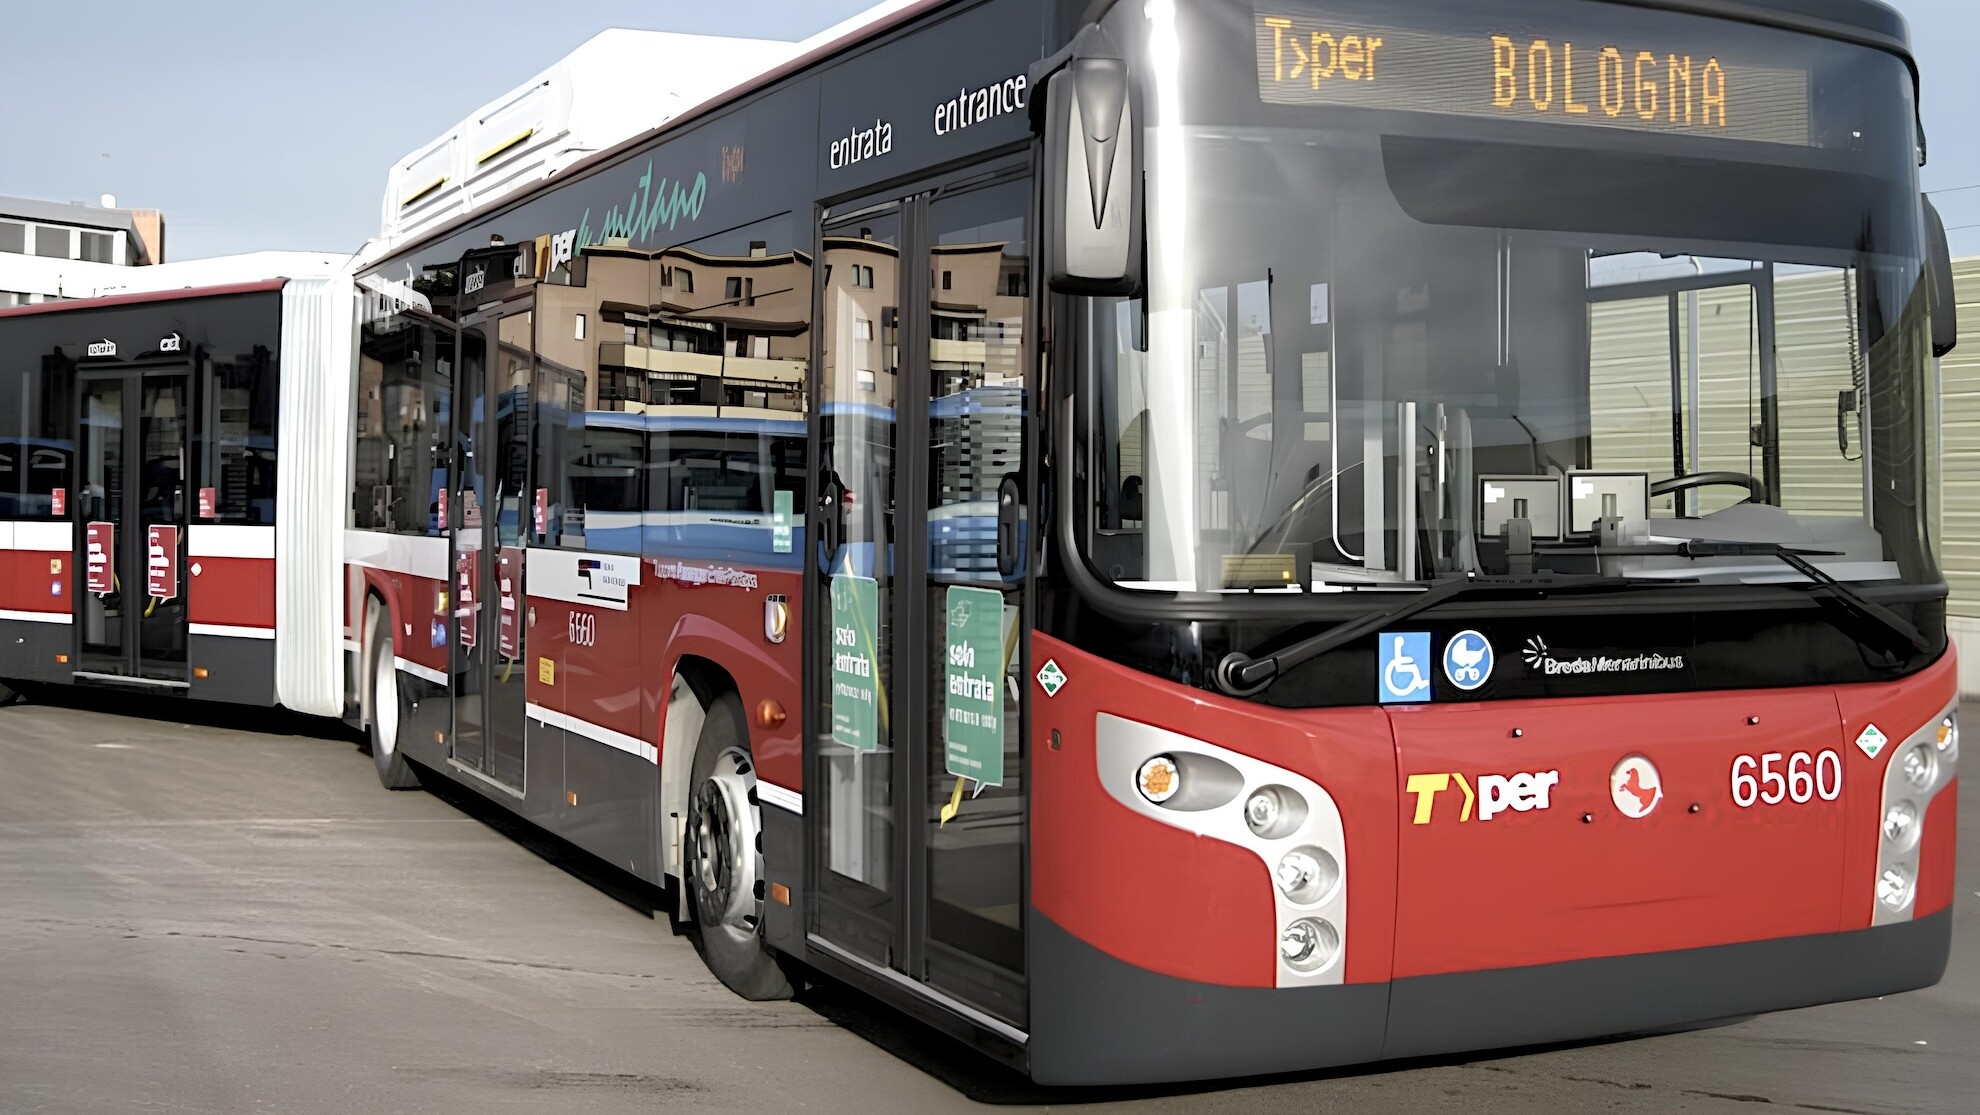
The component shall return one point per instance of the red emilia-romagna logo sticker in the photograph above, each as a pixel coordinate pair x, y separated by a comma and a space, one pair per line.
1636, 787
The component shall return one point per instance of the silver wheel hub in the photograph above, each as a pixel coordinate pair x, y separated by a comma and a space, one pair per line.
725, 825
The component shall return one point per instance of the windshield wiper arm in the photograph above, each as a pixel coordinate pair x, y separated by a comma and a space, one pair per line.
1242, 675
1894, 626
1893, 631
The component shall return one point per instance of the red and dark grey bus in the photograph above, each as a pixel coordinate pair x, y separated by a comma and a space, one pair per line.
140, 435
1187, 539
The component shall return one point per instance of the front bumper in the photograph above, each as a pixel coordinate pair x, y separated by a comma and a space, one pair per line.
1099, 1020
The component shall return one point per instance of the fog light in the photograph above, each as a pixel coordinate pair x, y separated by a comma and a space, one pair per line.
1948, 736
1894, 886
1308, 875
1920, 766
1901, 826
1273, 812
1309, 944
1159, 779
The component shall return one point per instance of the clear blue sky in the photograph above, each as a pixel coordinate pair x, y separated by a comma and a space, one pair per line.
270, 124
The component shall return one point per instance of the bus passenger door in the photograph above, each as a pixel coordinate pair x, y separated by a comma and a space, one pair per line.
130, 553
491, 501
915, 786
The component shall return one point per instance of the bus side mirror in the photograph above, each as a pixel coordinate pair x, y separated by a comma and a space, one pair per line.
1939, 272
1092, 171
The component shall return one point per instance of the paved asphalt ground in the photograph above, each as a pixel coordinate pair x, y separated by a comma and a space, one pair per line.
231, 916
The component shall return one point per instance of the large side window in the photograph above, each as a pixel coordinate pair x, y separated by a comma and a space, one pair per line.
245, 406
405, 368
14, 445
47, 401
670, 409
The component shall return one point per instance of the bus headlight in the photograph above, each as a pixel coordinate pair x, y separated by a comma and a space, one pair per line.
1308, 875
1895, 885
1273, 812
1901, 826
1947, 738
1159, 779
1920, 765
1309, 944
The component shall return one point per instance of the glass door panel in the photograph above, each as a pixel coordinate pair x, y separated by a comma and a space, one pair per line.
972, 811
854, 823
512, 363
462, 513
157, 555
100, 511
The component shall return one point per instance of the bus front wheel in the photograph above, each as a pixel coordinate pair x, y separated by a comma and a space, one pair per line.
723, 867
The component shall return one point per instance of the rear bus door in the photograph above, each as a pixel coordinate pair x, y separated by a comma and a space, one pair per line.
132, 506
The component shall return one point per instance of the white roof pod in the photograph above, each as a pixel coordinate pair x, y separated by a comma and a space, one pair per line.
186, 274
617, 85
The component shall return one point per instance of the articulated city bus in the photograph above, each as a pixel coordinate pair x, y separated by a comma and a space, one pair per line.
140, 435
1192, 538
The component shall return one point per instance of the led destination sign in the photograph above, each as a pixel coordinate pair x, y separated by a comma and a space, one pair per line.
1573, 73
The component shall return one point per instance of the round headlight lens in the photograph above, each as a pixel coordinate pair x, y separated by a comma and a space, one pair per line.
1901, 826
1920, 765
1309, 944
1274, 812
1159, 779
1261, 810
1308, 875
1947, 738
1894, 886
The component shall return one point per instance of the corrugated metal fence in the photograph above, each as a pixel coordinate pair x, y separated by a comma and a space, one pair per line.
1959, 549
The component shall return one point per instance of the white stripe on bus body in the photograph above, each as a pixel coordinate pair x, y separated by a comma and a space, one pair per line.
409, 554
53, 538
616, 740
230, 631
773, 794
425, 673
230, 541
37, 617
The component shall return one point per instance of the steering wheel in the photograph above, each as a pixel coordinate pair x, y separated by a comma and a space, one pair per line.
1756, 488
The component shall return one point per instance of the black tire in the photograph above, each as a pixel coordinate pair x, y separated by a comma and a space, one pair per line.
722, 867
385, 705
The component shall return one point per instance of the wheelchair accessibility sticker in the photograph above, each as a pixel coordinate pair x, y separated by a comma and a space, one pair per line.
1404, 661
1468, 660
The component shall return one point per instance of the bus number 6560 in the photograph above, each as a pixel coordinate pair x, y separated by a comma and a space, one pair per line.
584, 629
1774, 778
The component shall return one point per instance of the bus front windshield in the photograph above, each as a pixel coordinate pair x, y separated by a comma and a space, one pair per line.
1475, 286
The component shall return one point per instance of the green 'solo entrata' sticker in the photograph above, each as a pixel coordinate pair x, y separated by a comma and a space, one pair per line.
856, 694
973, 713
780, 521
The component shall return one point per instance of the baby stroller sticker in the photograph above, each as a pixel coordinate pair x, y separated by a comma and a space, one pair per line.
1468, 660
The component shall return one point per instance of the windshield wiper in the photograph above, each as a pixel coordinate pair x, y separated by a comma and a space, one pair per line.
1242, 675
1889, 630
